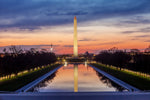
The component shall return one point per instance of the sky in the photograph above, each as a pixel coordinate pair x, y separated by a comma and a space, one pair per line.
102, 24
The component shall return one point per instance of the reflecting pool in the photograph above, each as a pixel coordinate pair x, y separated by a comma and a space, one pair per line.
76, 78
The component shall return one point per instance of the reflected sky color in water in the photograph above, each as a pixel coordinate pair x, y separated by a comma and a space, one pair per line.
88, 81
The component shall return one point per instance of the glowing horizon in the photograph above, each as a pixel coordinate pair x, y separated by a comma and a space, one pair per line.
101, 25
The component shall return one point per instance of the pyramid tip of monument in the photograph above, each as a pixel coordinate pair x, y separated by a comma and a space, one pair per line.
75, 17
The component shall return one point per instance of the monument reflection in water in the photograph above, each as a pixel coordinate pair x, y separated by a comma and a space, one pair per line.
76, 78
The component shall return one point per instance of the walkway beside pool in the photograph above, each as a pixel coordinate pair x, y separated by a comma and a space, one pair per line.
78, 96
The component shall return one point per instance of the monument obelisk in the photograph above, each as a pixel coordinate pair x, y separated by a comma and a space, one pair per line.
75, 55
75, 38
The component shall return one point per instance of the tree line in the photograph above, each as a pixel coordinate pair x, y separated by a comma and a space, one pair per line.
15, 62
141, 62
137, 61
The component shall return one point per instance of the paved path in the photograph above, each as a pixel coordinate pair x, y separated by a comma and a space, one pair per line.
116, 80
77, 96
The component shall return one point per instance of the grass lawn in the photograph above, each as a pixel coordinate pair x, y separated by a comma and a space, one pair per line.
21, 80
140, 82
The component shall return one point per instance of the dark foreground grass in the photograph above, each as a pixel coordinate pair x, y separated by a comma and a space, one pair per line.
19, 81
140, 82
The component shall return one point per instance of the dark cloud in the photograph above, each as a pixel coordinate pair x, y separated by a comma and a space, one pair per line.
46, 45
147, 41
137, 20
68, 46
31, 14
142, 36
12, 37
128, 32
143, 30
60, 41
110, 43
30, 46
87, 39
147, 29
131, 21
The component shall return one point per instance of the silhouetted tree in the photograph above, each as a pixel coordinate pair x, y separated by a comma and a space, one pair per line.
119, 58
140, 61
19, 61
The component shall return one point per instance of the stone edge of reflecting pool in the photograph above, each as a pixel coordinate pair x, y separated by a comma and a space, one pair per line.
116, 80
37, 81
38, 87
78, 96
111, 78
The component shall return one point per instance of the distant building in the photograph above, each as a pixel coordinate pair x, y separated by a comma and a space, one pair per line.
88, 55
135, 51
51, 49
2, 55
43, 50
113, 50
147, 50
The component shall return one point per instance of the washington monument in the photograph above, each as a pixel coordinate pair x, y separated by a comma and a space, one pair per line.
75, 56
75, 38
